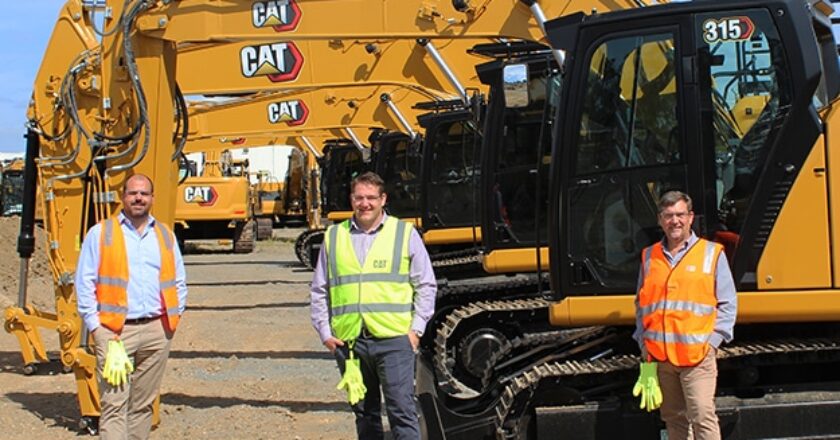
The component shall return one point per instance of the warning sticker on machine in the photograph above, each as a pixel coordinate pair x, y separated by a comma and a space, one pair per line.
728, 29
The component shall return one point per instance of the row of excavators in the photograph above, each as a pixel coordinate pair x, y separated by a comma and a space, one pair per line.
528, 141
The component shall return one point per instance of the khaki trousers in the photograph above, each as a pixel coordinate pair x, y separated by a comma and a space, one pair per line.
127, 410
688, 404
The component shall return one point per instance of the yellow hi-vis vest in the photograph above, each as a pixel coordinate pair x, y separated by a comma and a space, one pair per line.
678, 305
112, 281
379, 293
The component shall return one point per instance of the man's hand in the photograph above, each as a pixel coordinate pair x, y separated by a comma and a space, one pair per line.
414, 339
333, 343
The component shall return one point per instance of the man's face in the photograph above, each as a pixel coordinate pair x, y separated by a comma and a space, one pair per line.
676, 221
137, 198
367, 202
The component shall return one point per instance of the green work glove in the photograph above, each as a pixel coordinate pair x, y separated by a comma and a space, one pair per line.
117, 364
648, 387
352, 381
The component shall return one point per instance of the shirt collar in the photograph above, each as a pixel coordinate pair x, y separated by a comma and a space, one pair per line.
354, 226
688, 243
124, 220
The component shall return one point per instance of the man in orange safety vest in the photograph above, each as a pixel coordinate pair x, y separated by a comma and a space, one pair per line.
131, 292
685, 308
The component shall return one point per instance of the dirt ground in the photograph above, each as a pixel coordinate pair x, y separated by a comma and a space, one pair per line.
245, 362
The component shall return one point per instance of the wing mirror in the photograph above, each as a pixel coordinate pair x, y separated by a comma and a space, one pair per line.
515, 80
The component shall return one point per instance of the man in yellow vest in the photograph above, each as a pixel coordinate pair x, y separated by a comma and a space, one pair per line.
131, 291
373, 292
685, 308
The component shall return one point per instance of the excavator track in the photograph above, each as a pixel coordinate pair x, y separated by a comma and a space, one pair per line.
444, 362
244, 237
265, 228
303, 246
531, 341
520, 388
447, 260
486, 286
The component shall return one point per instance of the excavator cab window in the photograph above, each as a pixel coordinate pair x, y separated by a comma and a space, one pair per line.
452, 167
398, 162
627, 153
522, 161
11, 197
749, 93
343, 163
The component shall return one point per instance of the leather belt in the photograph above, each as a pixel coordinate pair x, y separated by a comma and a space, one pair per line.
139, 321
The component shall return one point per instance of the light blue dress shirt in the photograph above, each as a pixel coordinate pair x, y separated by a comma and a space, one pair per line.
143, 252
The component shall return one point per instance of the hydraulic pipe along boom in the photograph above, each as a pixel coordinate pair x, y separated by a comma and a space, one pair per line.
386, 98
311, 147
433, 52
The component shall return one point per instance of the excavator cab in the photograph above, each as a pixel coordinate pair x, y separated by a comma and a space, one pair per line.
695, 98
451, 168
517, 149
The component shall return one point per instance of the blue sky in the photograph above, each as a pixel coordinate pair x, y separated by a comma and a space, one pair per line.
25, 28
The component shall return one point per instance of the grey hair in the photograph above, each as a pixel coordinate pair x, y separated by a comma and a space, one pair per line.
670, 198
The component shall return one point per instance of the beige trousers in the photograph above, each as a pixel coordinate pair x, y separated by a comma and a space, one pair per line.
127, 410
688, 404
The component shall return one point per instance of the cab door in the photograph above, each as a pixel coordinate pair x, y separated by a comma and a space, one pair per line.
627, 135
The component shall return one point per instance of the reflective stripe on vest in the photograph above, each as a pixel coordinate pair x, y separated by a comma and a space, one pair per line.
678, 305
112, 280
378, 293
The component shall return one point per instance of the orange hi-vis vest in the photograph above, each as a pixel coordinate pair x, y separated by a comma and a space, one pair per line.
678, 305
112, 282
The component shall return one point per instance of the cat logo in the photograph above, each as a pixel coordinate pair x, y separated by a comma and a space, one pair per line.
281, 15
280, 62
292, 112
203, 195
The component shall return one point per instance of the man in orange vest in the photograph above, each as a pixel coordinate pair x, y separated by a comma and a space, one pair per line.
685, 308
131, 292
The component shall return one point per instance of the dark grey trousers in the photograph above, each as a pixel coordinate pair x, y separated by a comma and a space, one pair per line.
388, 369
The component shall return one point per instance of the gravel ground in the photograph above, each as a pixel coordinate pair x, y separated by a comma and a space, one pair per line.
245, 362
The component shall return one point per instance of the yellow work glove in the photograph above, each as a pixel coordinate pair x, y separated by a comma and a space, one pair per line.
352, 381
117, 364
648, 387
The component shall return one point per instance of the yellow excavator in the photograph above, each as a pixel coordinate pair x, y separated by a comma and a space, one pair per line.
732, 102
107, 106
218, 204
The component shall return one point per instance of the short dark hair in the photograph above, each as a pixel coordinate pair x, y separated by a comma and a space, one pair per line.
139, 176
370, 178
670, 198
